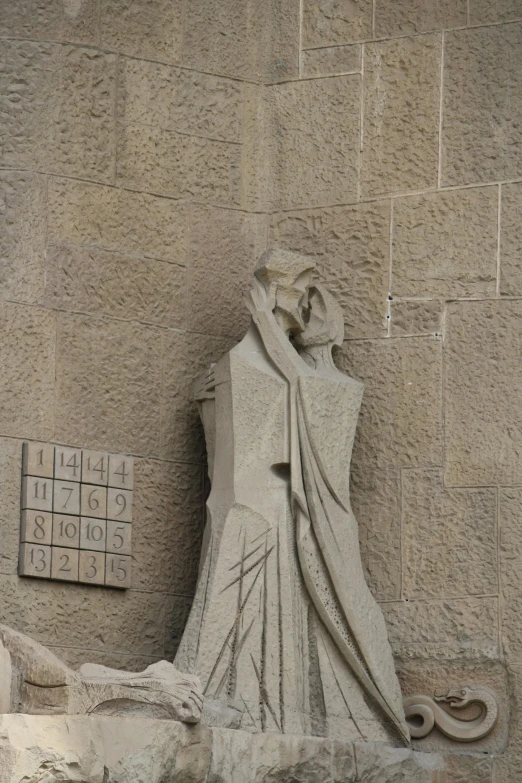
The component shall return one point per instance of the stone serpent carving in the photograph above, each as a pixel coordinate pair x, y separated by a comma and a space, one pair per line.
423, 713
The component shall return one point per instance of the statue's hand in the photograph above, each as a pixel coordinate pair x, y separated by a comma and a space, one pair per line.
259, 299
205, 385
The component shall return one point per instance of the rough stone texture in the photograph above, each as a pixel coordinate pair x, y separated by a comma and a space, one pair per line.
168, 513
449, 538
376, 502
108, 376
175, 165
85, 214
328, 22
403, 17
96, 281
401, 115
10, 486
511, 241
224, 248
155, 95
510, 564
485, 12
482, 111
75, 657
57, 109
27, 356
415, 317
22, 235
94, 749
400, 422
62, 614
462, 769
482, 411
53, 20
331, 60
433, 677
177, 612
184, 357
351, 246
445, 244
152, 30
448, 629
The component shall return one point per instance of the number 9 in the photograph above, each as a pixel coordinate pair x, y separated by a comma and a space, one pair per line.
121, 502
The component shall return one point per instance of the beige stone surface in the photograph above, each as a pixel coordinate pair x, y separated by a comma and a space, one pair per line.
510, 564
376, 501
185, 355
160, 96
176, 616
400, 421
336, 21
448, 629
67, 126
380, 764
224, 246
415, 317
511, 240
151, 30
176, 165
484, 12
168, 524
27, 357
351, 247
52, 20
445, 244
88, 280
108, 384
62, 615
449, 538
482, 411
401, 115
482, 112
82, 213
22, 235
462, 769
331, 60
74, 657
403, 17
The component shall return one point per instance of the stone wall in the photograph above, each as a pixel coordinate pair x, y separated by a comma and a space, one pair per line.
149, 152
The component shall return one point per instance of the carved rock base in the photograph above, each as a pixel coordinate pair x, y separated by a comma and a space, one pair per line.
101, 749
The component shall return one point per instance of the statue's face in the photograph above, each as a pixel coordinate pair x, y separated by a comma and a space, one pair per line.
291, 300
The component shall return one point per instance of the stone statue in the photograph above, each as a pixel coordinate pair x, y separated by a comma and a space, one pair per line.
423, 714
283, 626
34, 681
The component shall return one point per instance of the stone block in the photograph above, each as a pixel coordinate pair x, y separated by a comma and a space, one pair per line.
38, 459
10, 488
169, 516
224, 248
51, 20
511, 240
27, 358
406, 17
463, 769
91, 567
81, 616
376, 502
118, 571
484, 12
444, 629
156, 95
137, 224
185, 356
179, 166
331, 60
401, 115
482, 109
151, 30
351, 246
381, 764
449, 538
68, 94
338, 22
22, 235
482, 402
510, 565
108, 384
415, 317
64, 564
445, 244
400, 423
94, 281
177, 612
119, 504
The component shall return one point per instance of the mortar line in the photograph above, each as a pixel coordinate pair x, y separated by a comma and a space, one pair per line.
441, 106
499, 577
499, 209
300, 38
373, 18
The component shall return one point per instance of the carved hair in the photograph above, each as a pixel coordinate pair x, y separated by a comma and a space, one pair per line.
325, 322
